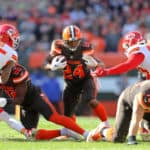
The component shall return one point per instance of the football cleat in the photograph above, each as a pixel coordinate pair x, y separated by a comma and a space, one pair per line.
95, 134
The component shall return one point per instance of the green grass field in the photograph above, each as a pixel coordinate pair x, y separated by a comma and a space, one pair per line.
12, 140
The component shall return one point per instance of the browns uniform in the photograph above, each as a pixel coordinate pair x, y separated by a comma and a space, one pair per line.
76, 74
20, 89
80, 84
33, 102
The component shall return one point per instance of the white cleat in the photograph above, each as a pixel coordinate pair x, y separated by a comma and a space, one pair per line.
95, 134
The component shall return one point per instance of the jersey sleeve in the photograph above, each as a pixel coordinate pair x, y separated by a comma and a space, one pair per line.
55, 48
132, 63
19, 74
87, 48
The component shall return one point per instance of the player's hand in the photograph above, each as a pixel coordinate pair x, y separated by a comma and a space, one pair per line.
90, 61
58, 62
99, 72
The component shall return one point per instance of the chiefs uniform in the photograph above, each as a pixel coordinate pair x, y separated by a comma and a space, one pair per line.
7, 54
138, 54
76, 74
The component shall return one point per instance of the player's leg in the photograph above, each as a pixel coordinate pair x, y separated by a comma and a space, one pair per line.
89, 94
45, 107
71, 99
13, 123
44, 134
29, 118
120, 131
122, 122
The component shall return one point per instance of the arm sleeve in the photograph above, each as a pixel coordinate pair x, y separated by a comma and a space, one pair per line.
130, 64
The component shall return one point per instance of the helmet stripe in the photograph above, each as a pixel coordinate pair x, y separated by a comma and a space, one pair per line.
72, 32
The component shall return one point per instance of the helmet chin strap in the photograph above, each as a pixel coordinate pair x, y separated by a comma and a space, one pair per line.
74, 48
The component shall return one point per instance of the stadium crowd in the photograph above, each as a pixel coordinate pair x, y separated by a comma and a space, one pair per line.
42, 21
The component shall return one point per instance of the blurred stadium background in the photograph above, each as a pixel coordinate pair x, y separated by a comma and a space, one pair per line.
103, 23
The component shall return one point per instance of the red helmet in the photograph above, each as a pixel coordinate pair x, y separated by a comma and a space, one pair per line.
132, 38
72, 36
9, 35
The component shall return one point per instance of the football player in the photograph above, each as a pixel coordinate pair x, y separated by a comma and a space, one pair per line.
9, 42
138, 54
133, 106
33, 102
74, 56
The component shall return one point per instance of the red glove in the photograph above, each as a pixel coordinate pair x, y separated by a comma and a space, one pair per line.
99, 72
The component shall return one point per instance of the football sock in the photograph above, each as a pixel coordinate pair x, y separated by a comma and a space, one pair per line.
66, 122
46, 134
85, 134
73, 117
14, 124
99, 110
70, 133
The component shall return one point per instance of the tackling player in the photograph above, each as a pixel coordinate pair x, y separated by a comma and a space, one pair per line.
138, 54
9, 41
73, 55
133, 105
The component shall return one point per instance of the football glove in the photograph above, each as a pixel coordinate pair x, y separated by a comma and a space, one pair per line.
90, 61
58, 62
99, 72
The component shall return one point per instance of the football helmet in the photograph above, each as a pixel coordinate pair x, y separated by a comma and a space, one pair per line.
72, 37
132, 38
9, 35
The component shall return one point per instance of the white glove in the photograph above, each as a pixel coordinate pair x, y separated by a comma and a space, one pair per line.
58, 62
3, 101
90, 61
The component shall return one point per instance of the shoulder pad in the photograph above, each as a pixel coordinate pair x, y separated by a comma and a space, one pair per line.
87, 48
19, 74
56, 47
86, 44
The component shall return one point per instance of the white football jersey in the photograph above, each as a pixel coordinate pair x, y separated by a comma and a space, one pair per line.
7, 54
145, 65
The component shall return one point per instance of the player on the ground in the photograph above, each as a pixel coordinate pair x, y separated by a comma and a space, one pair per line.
138, 54
73, 55
33, 102
133, 105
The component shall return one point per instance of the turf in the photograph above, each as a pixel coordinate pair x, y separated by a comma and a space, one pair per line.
12, 140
